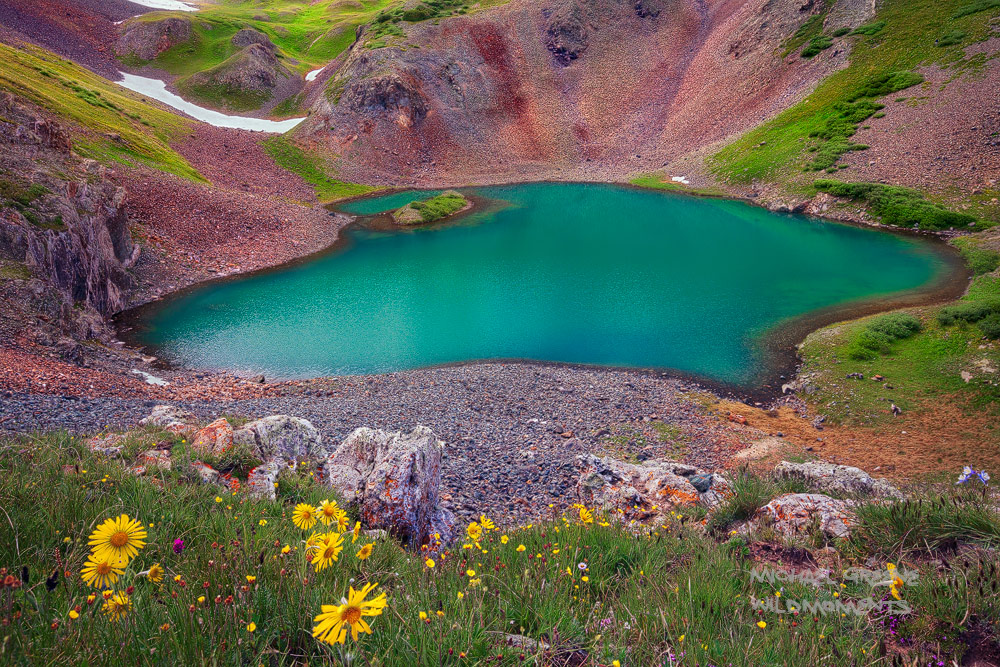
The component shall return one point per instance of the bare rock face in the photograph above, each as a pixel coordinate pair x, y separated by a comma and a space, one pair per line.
215, 439
649, 9
612, 485
147, 39
248, 36
393, 478
795, 514
283, 438
566, 34
837, 479
388, 93
170, 418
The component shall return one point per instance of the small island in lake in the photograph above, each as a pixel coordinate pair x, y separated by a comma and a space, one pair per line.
433, 209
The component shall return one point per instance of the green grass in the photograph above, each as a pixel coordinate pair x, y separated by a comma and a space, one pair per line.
439, 207
900, 40
901, 206
980, 260
289, 156
108, 122
657, 181
877, 335
816, 45
648, 593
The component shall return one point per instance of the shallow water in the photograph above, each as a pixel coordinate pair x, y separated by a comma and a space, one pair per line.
158, 91
593, 274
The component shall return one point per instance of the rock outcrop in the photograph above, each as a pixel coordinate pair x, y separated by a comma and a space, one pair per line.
834, 478
650, 488
566, 34
250, 77
794, 515
213, 440
393, 479
248, 36
147, 39
283, 438
170, 418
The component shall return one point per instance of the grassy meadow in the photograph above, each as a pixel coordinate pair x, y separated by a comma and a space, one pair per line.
222, 578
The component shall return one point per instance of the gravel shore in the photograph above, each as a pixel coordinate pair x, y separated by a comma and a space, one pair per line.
512, 431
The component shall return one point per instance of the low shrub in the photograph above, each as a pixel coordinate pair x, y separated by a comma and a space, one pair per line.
898, 205
815, 45
840, 32
950, 38
869, 28
976, 7
990, 326
878, 335
968, 312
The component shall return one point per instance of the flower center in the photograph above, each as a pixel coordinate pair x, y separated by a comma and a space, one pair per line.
329, 553
119, 539
104, 569
352, 615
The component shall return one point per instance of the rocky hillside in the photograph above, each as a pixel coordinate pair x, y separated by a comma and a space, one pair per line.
567, 88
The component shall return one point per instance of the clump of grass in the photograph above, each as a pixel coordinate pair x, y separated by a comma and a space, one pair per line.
840, 32
815, 45
980, 260
869, 29
976, 7
440, 207
951, 38
878, 335
289, 156
900, 206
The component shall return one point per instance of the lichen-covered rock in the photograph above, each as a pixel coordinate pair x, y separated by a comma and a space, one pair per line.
215, 439
170, 418
106, 445
393, 478
282, 437
206, 473
158, 459
262, 480
795, 514
834, 478
616, 485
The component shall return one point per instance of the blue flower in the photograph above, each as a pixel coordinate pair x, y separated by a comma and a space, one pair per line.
968, 473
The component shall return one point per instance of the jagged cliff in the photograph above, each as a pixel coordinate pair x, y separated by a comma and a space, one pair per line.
64, 238
565, 88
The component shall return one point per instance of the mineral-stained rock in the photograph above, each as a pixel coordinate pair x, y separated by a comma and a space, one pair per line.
214, 439
611, 484
170, 418
837, 478
794, 514
152, 459
393, 478
261, 480
282, 437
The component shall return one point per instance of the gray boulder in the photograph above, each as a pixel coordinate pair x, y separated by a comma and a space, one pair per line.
612, 485
261, 480
834, 478
282, 437
394, 479
170, 418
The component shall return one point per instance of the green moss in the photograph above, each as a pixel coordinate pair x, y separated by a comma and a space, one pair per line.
900, 206
289, 156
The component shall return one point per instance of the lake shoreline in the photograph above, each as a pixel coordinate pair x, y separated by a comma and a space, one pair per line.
781, 340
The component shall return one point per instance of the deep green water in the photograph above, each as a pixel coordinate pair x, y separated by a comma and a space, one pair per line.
591, 274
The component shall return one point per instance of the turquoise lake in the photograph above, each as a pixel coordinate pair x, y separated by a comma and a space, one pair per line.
589, 274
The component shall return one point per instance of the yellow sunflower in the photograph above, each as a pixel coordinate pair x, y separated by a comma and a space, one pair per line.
328, 512
356, 532
342, 520
475, 531
486, 523
586, 516
117, 606
335, 620
328, 550
304, 516
101, 572
365, 551
118, 539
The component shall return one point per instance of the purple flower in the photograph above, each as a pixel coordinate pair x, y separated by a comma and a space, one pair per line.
970, 473
178, 545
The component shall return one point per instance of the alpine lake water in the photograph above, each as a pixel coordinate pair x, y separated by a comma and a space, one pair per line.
555, 272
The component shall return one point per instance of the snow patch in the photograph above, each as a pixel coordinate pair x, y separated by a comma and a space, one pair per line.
174, 5
151, 379
311, 76
680, 179
158, 91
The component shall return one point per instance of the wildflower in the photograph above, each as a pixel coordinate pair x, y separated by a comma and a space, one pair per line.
356, 532
504, 539
304, 516
681, 638
328, 550
201, 599
520, 547
365, 551
91, 598
251, 578
116, 606
342, 520
470, 573
581, 566
164, 627
101, 572
119, 539
155, 573
252, 627
218, 499
74, 614
461, 595
486, 523
429, 563
586, 516
178, 545
262, 522
423, 615
474, 531
285, 549
328, 512
761, 624
335, 620
585, 578
615, 663
969, 473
